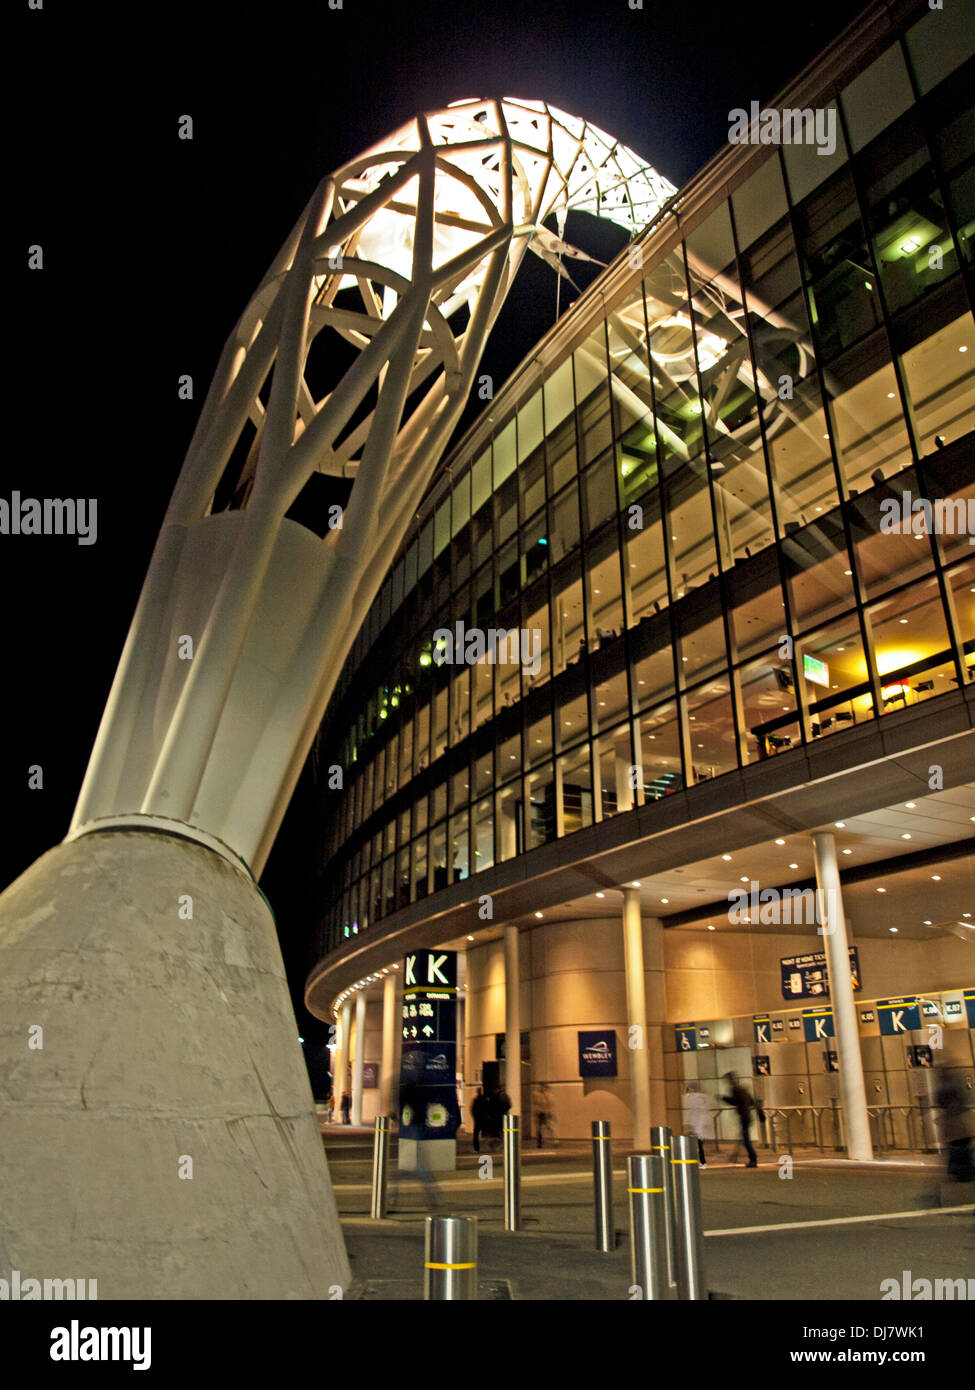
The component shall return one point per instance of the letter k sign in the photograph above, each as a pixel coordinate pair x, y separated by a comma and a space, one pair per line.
821, 1028
434, 974
410, 967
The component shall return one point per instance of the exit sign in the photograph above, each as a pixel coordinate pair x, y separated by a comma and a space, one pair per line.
816, 671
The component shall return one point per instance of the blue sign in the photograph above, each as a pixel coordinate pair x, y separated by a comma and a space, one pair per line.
762, 1025
428, 1085
597, 1054
817, 1024
686, 1035
970, 1006
898, 1015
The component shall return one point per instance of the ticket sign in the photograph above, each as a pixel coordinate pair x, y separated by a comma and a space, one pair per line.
898, 1015
807, 977
428, 1093
817, 1024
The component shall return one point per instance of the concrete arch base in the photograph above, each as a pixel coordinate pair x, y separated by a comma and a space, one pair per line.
163, 1138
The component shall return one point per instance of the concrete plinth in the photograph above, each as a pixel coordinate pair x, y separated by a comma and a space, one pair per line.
163, 1139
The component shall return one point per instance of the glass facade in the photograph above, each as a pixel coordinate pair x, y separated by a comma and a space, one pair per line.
691, 517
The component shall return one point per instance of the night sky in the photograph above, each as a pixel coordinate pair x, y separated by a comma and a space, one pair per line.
153, 245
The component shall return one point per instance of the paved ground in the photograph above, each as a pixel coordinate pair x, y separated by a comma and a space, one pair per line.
869, 1223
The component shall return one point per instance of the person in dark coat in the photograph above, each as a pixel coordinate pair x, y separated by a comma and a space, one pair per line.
744, 1102
480, 1114
346, 1108
956, 1127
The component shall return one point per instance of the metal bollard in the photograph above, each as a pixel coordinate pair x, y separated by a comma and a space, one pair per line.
602, 1177
450, 1258
661, 1140
380, 1154
648, 1225
511, 1134
688, 1232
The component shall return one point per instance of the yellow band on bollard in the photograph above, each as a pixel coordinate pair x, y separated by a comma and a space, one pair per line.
683, 1160
429, 1265
604, 1137
644, 1189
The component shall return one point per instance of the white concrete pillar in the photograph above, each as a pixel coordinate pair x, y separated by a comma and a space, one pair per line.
391, 1020
636, 1015
512, 1019
360, 1055
339, 1083
852, 1087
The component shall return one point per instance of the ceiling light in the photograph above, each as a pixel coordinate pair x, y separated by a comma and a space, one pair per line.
893, 929
743, 879
710, 928
538, 914
600, 895
927, 921
665, 900
905, 836
840, 824
727, 857
881, 890
780, 842
936, 878
911, 805
793, 866
636, 883
470, 938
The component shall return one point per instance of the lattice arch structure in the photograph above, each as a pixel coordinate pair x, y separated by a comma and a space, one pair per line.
406, 253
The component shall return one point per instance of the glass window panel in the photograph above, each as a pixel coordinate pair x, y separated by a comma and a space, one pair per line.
756, 606
459, 789
833, 677
654, 673
961, 584
614, 761
711, 730
540, 791
506, 508
711, 246
910, 638
460, 852
482, 676
539, 741
557, 391
426, 547
531, 475
759, 202
441, 527
420, 814
509, 574
530, 427
509, 758
610, 701
939, 376
572, 716
481, 481
770, 721
537, 622
420, 868
564, 530
507, 683
483, 596
483, 835
874, 99
605, 600
483, 774
389, 886
438, 857
869, 430
460, 704
599, 492
575, 781
595, 419
806, 167
846, 303
645, 562
692, 554
504, 454
660, 757
818, 572
507, 813
568, 629
887, 556
403, 878
460, 511
701, 645
939, 43
562, 454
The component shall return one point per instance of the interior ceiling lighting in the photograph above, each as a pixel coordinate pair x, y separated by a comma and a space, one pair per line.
936, 878
881, 890
780, 842
600, 895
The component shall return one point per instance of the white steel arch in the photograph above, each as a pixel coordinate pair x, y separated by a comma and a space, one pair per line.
406, 253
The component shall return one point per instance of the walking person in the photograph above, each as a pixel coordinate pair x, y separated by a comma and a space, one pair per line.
956, 1127
544, 1114
346, 1108
480, 1112
697, 1114
744, 1102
